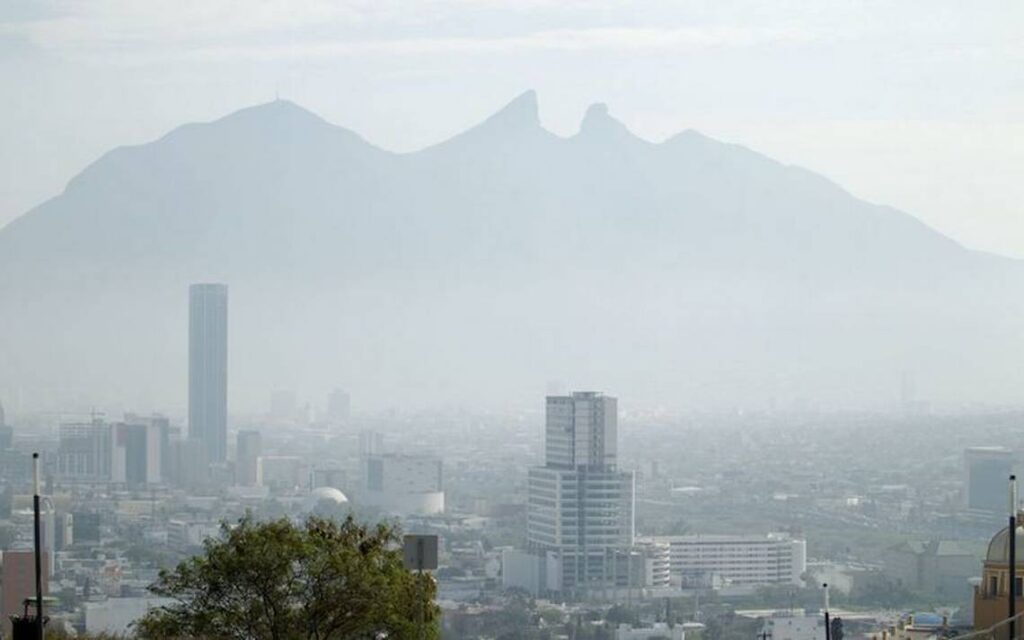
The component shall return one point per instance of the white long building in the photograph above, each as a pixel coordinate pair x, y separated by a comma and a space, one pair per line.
720, 561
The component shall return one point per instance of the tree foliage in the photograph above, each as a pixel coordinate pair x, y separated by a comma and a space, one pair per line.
275, 580
622, 614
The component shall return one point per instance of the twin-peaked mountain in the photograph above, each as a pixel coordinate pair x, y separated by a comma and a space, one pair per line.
686, 272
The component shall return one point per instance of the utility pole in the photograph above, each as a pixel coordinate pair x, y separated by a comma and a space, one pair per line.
37, 541
828, 624
1012, 540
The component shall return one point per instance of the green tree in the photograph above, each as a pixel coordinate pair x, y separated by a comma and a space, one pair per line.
278, 581
621, 614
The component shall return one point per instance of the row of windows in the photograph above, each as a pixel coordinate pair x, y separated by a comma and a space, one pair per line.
762, 562
995, 582
726, 543
731, 556
731, 552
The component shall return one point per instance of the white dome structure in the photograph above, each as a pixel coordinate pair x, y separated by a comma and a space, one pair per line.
324, 499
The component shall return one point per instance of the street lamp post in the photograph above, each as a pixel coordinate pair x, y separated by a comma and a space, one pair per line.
828, 623
1012, 540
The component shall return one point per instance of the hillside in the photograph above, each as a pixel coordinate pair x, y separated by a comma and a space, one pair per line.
685, 273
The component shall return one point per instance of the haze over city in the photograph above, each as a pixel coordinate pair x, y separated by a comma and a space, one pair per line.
522, 321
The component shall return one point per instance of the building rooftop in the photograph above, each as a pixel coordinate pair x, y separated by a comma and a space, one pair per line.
999, 547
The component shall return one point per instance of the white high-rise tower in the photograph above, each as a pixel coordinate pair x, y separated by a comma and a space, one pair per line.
580, 514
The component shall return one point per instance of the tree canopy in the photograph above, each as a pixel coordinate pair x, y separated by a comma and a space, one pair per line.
279, 581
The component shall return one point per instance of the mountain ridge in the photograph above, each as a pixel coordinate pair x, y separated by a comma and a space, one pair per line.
502, 244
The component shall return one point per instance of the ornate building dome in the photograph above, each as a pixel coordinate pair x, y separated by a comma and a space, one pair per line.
999, 547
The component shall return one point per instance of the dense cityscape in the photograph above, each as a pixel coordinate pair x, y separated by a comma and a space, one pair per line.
491, 320
580, 511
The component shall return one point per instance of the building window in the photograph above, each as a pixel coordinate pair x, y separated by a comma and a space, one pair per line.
1018, 586
993, 585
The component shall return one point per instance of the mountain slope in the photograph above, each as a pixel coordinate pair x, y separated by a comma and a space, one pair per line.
686, 272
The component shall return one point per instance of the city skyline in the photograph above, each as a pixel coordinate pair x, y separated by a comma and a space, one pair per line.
481, 320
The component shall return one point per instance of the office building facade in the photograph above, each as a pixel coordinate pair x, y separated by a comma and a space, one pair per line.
137, 457
131, 453
208, 368
580, 509
84, 452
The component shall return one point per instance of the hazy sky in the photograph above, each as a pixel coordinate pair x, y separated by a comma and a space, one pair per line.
915, 104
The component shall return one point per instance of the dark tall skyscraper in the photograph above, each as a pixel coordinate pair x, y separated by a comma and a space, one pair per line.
208, 368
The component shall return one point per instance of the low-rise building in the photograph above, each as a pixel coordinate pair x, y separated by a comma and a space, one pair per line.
659, 630
650, 564
751, 560
19, 582
917, 626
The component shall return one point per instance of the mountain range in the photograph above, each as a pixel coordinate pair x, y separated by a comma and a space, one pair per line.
480, 271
